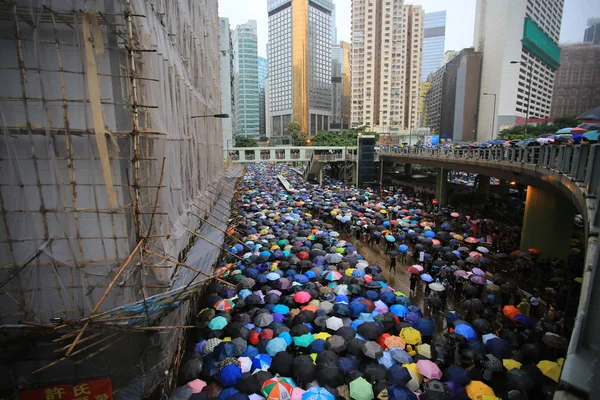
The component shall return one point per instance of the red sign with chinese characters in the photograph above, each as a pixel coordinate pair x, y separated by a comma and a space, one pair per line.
88, 390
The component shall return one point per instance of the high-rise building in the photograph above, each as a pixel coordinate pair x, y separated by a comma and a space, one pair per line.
300, 35
433, 42
246, 91
387, 44
340, 80
516, 38
592, 33
226, 74
268, 121
263, 71
577, 80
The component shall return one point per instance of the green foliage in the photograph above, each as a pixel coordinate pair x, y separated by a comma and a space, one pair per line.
340, 139
518, 132
242, 141
298, 138
565, 121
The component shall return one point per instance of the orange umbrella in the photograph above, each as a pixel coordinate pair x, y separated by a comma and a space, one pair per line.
534, 251
394, 341
510, 311
471, 240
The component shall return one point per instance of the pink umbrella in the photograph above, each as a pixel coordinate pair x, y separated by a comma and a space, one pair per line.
418, 267
479, 272
455, 215
297, 393
197, 385
381, 307
302, 297
460, 272
429, 369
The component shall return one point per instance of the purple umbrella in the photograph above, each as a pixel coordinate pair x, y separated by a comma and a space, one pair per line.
478, 271
478, 279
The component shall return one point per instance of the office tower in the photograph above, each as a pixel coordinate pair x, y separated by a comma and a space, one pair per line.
520, 58
453, 97
300, 64
226, 74
268, 121
340, 79
577, 80
263, 71
387, 42
592, 33
246, 91
433, 42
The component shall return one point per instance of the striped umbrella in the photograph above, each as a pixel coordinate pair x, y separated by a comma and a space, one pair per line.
276, 389
332, 275
224, 305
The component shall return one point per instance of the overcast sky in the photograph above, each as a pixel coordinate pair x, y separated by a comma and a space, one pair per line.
459, 19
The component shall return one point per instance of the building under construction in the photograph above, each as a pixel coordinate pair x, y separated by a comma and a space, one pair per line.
114, 199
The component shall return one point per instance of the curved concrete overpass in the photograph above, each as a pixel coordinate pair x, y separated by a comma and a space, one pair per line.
572, 172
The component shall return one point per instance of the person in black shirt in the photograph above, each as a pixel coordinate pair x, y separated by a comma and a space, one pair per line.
392, 263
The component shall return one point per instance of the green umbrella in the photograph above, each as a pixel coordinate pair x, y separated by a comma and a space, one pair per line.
303, 340
592, 135
217, 323
283, 242
361, 389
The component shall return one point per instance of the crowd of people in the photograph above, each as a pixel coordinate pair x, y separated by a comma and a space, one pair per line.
301, 314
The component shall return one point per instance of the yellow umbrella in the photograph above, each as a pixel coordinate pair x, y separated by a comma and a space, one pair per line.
458, 237
383, 211
477, 389
489, 397
321, 335
314, 357
551, 369
424, 350
349, 271
511, 364
411, 336
334, 212
400, 294
275, 247
417, 378
308, 215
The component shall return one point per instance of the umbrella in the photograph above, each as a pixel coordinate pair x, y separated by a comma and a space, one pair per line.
492, 363
262, 361
372, 350
217, 323
224, 305
429, 369
477, 389
511, 364
465, 331
554, 340
334, 323
398, 375
336, 344
426, 278
550, 369
457, 374
276, 389
510, 311
394, 341
425, 326
410, 336
304, 369
360, 389
437, 287
275, 346
317, 393
401, 356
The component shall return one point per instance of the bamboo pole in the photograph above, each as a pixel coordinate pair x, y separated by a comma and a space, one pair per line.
215, 209
85, 339
214, 226
100, 350
76, 352
214, 244
187, 266
106, 291
203, 210
160, 181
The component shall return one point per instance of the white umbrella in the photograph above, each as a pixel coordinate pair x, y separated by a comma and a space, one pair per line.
437, 287
334, 323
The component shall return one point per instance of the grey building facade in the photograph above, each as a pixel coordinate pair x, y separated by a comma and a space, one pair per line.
246, 91
226, 74
263, 72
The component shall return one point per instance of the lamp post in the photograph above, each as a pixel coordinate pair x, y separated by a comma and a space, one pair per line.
528, 89
494, 115
211, 116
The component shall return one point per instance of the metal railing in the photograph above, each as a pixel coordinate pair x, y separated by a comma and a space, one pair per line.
578, 162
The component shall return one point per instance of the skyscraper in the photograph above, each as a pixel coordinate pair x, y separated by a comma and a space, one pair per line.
433, 42
516, 38
300, 64
340, 79
246, 91
592, 33
387, 43
226, 75
263, 71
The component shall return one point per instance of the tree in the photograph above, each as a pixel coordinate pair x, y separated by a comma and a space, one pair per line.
565, 121
298, 138
243, 141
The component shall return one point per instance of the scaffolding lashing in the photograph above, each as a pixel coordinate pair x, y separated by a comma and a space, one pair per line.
102, 175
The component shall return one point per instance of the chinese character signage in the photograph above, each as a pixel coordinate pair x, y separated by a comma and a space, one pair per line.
89, 390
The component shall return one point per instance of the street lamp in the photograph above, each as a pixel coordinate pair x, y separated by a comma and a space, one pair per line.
528, 88
211, 116
494, 119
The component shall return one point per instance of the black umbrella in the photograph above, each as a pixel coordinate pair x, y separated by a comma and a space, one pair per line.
304, 369
372, 350
327, 357
482, 326
346, 332
282, 364
249, 384
355, 346
336, 343
329, 375
262, 376
473, 305
370, 330
374, 372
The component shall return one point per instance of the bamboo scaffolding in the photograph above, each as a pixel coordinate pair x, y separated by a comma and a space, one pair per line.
99, 303
214, 244
216, 227
203, 210
215, 209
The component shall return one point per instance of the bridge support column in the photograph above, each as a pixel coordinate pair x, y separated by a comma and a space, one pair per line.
408, 169
483, 186
548, 224
441, 186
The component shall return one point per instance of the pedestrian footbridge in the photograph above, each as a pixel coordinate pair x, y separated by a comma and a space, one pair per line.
288, 154
563, 180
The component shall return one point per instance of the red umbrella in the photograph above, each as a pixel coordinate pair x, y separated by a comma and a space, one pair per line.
302, 297
302, 255
578, 130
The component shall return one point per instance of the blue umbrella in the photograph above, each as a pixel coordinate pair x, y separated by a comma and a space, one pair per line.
412, 317
405, 301
399, 310
250, 352
400, 393
276, 345
272, 276
261, 361
217, 323
400, 355
425, 326
287, 337
226, 393
398, 375
317, 346
357, 308
466, 331
426, 278
281, 309
388, 297
386, 360
525, 320
317, 393
457, 374
229, 375
429, 234
347, 364
564, 130
499, 348
224, 350
390, 238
